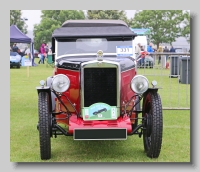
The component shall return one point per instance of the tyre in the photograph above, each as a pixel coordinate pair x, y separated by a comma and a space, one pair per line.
44, 125
153, 124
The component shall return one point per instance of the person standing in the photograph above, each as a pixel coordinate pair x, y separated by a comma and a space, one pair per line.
141, 59
46, 48
160, 50
150, 48
167, 51
172, 49
137, 49
42, 53
15, 47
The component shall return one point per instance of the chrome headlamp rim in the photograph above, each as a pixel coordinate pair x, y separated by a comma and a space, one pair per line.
53, 80
145, 79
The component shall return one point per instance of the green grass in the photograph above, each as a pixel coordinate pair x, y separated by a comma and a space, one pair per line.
24, 138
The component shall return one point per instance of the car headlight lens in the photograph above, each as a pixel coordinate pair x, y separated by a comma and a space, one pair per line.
60, 83
139, 84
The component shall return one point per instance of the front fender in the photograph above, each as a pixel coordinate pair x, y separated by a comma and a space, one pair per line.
43, 89
47, 90
53, 96
151, 90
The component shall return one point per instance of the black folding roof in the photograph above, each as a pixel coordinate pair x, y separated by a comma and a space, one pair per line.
93, 23
93, 28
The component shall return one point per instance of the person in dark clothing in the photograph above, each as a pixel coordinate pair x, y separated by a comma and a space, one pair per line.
15, 48
142, 49
167, 51
172, 49
20, 53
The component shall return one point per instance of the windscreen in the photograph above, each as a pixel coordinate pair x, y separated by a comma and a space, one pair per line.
90, 45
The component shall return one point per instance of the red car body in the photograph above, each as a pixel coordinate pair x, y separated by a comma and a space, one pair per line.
74, 96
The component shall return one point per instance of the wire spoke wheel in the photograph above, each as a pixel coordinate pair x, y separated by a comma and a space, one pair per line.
44, 125
153, 124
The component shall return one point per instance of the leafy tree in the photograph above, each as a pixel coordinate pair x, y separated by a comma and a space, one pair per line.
185, 30
16, 19
51, 20
165, 25
108, 14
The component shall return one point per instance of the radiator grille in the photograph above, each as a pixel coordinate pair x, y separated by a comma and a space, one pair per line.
100, 85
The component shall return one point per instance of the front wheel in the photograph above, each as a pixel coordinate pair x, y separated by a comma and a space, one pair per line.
44, 125
153, 124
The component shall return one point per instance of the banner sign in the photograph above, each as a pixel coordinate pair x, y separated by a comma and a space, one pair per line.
140, 31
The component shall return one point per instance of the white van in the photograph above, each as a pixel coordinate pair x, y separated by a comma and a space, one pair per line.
142, 40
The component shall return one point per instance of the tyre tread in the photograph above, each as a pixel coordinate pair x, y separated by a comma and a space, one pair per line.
44, 127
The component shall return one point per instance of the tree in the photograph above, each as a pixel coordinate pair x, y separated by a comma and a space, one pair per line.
185, 30
16, 19
108, 14
165, 25
51, 20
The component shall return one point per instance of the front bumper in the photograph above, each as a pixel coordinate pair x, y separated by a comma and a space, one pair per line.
98, 129
14, 64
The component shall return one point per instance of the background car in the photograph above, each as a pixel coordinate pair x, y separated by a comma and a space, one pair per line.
36, 52
15, 59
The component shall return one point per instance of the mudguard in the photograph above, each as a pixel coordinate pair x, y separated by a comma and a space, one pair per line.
47, 89
48, 83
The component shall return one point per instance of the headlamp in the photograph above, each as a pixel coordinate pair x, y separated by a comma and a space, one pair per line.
139, 84
60, 83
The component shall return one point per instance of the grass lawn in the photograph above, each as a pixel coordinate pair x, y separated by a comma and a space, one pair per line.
24, 137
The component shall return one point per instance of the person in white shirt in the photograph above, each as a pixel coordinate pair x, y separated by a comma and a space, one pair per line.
137, 49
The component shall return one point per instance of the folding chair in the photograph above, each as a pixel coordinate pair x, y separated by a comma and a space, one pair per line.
49, 61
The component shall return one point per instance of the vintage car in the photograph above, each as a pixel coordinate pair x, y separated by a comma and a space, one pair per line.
95, 90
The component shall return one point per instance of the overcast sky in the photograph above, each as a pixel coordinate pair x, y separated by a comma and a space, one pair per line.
33, 16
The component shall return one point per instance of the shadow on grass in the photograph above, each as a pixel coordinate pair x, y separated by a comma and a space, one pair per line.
98, 151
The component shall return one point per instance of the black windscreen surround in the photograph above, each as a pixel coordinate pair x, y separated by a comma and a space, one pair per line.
100, 85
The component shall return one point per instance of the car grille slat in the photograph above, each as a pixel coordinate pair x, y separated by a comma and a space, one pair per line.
100, 85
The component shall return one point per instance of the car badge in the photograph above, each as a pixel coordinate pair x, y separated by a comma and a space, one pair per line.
100, 55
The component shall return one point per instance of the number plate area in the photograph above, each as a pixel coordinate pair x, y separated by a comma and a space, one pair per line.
100, 134
124, 50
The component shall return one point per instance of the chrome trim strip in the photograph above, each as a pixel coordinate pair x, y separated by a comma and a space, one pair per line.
86, 54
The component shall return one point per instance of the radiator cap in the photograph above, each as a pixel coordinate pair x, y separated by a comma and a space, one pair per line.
99, 55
